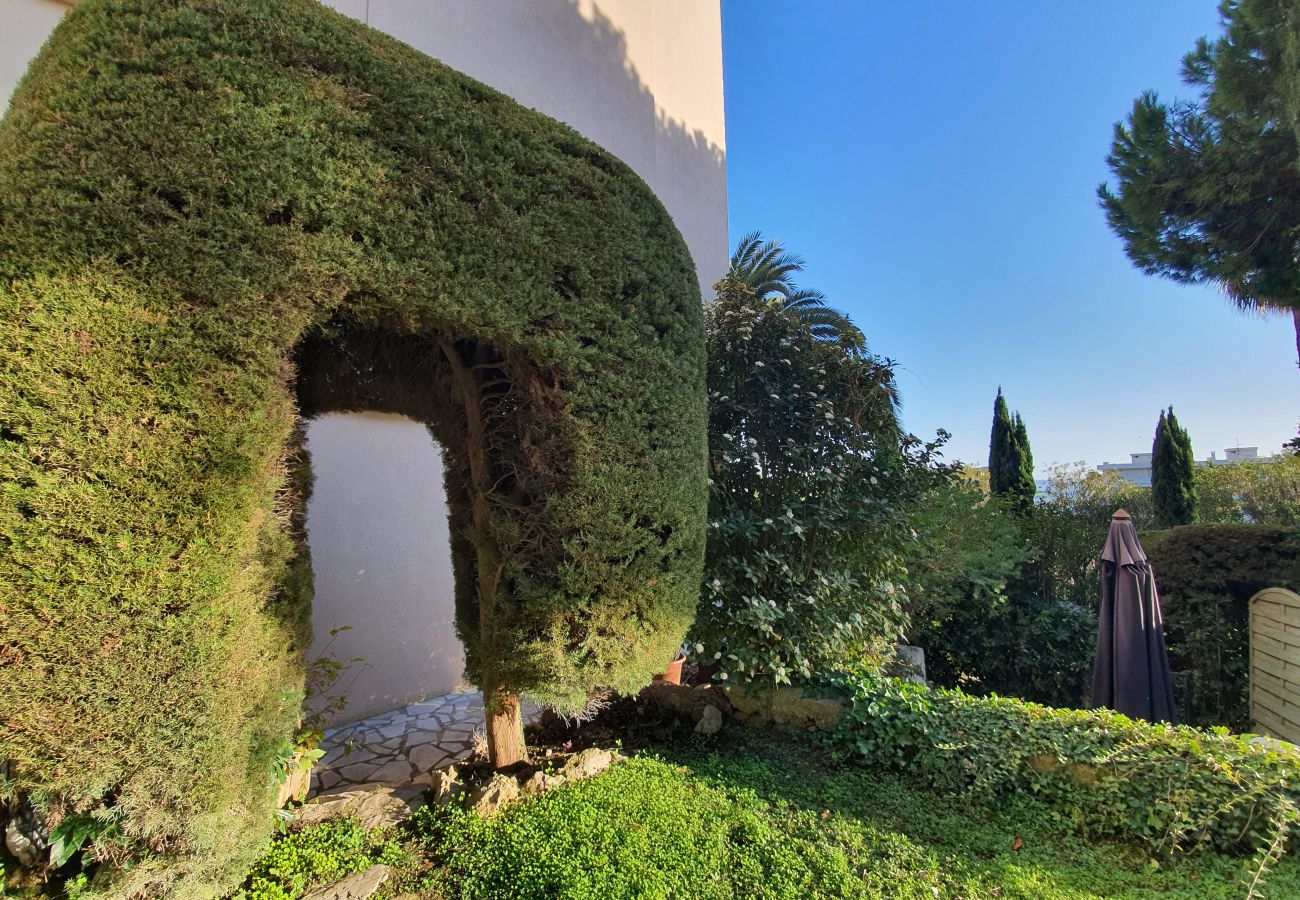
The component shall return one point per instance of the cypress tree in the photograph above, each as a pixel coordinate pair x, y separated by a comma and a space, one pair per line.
1011, 462
1173, 479
264, 206
1002, 450
1025, 487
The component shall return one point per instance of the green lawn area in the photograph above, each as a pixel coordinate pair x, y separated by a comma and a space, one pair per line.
760, 814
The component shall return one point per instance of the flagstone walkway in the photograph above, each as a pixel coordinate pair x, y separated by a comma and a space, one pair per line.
401, 746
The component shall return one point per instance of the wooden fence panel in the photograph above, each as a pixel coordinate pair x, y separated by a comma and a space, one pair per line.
1275, 663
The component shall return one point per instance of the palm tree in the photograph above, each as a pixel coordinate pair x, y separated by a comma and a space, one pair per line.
767, 268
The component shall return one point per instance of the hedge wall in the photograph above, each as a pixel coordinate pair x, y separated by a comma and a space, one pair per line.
202, 199
1206, 575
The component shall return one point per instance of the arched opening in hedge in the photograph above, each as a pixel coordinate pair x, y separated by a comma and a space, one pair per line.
214, 213
383, 630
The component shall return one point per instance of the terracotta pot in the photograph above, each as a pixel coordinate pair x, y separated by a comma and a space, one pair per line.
672, 674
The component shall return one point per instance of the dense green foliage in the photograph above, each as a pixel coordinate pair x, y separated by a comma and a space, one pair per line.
1006, 603
1206, 576
809, 476
1011, 462
1171, 788
1173, 473
1209, 190
968, 547
753, 814
315, 855
1262, 493
1021, 620
207, 207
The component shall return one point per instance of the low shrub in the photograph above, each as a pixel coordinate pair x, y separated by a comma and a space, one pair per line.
1206, 575
1170, 788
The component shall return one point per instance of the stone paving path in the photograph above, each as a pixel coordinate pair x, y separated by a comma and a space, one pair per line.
401, 746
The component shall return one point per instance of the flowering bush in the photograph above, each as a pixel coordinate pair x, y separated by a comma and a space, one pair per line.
808, 473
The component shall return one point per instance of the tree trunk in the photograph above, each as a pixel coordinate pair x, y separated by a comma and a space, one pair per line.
505, 722
1295, 318
505, 729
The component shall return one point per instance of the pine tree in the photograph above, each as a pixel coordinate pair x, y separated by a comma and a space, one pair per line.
1173, 477
1011, 462
1208, 190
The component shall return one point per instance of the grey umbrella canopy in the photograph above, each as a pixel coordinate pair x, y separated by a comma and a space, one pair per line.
1131, 674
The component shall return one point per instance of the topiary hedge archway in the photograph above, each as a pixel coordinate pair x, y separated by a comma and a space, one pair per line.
214, 211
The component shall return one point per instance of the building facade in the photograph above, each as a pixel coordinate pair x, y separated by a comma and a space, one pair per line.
642, 78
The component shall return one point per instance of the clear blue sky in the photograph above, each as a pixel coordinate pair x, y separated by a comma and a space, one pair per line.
936, 164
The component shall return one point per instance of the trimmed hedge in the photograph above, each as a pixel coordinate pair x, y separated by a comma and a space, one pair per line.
212, 210
1206, 575
1170, 788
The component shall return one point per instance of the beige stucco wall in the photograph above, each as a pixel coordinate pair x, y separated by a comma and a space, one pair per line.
642, 78
24, 26
377, 528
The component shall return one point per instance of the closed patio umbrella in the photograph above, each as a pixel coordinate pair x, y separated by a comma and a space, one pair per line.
1131, 674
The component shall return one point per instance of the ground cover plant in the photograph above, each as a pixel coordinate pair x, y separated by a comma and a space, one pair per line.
764, 814
212, 213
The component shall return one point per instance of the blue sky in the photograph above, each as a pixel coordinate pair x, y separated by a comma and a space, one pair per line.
937, 163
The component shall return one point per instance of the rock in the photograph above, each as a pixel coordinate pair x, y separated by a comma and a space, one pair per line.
687, 701
591, 761
487, 798
710, 721
444, 784
426, 756
541, 782
27, 848
749, 704
791, 707
374, 806
357, 886
909, 663
784, 705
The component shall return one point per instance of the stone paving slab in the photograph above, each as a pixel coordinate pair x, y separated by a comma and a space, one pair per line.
401, 746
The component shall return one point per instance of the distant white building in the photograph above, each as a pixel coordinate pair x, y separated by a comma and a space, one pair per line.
1138, 469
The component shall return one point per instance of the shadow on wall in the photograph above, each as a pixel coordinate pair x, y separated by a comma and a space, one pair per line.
627, 79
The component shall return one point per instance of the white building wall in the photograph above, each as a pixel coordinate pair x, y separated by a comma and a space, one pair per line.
642, 78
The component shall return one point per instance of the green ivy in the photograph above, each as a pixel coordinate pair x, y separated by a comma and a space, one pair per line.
1170, 788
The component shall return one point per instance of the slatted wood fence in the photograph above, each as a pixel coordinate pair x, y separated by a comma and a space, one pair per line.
1275, 663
